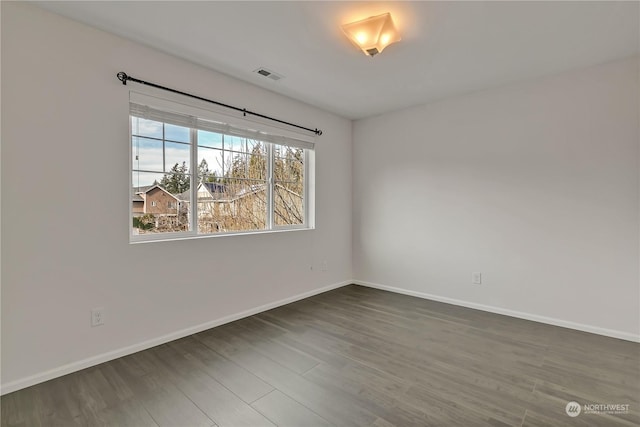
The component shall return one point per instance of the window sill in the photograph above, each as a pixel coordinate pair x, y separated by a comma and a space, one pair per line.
170, 237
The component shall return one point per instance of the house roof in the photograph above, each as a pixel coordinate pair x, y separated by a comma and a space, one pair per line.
216, 190
222, 192
214, 187
144, 189
185, 196
249, 190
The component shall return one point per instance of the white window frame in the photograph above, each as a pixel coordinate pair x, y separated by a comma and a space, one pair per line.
274, 134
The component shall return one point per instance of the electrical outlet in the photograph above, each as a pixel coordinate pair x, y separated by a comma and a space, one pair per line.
324, 266
97, 316
476, 278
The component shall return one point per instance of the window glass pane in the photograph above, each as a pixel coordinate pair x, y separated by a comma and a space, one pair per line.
144, 127
239, 166
176, 133
255, 146
209, 139
154, 208
176, 157
257, 160
227, 162
288, 190
289, 166
144, 179
177, 183
234, 143
248, 166
287, 206
146, 154
232, 205
209, 164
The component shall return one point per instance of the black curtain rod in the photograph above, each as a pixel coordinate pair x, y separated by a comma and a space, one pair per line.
123, 77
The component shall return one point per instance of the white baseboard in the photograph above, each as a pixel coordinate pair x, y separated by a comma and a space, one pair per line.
521, 315
105, 357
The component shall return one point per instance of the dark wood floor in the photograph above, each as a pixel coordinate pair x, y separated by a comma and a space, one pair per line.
350, 357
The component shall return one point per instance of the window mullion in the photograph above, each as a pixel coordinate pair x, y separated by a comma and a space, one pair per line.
164, 154
270, 167
193, 204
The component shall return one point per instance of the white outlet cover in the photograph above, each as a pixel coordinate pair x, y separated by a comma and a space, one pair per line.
476, 278
97, 316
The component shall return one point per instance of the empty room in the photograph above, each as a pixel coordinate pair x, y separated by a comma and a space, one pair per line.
320, 213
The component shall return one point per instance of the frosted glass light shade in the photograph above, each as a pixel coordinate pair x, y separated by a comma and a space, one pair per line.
373, 34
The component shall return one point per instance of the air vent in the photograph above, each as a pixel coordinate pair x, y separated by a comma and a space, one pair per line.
268, 74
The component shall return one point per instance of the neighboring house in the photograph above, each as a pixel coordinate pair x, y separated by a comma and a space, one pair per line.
154, 199
168, 212
137, 202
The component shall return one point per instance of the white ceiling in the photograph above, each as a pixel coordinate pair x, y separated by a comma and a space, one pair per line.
448, 48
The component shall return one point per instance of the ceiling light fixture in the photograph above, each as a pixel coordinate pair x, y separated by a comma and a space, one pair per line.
373, 34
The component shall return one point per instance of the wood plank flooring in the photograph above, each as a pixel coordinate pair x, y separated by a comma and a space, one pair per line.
350, 357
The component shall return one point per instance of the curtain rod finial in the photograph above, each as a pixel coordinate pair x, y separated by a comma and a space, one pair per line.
122, 76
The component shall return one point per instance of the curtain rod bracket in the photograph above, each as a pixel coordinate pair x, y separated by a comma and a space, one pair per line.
123, 77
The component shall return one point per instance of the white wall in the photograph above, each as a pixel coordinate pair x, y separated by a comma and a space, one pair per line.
535, 185
65, 202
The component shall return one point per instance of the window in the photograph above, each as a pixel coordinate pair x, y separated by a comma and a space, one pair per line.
198, 173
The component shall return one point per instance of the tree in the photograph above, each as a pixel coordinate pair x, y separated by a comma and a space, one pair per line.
205, 174
203, 169
177, 180
257, 163
288, 185
238, 167
145, 222
251, 166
